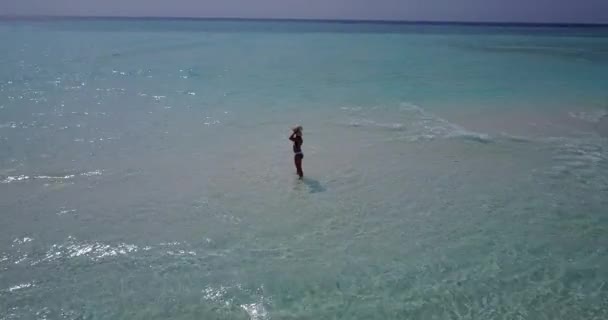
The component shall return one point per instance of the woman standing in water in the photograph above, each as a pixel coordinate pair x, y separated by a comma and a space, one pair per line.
296, 137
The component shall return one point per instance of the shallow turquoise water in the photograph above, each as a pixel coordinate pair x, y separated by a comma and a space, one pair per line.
452, 172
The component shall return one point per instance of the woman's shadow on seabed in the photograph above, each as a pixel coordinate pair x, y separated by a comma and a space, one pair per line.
314, 186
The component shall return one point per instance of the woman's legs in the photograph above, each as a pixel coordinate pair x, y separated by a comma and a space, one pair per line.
298, 161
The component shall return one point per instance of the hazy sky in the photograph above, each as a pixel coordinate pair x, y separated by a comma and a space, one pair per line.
593, 11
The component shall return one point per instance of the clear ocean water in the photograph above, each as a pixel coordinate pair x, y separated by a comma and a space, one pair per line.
452, 172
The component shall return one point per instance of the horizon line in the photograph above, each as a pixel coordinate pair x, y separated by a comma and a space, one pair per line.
312, 20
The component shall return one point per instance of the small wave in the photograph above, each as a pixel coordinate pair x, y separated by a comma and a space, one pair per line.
223, 295
79, 113
589, 116
66, 211
23, 240
354, 109
421, 125
602, 126
181, 253
371, 123
12, 125
95, 251
91, 173
211, 122
20, 286
22, 178
10, 179
70, 176
21, 259
583, 160
21, 125
514, 138
256, 311
111, 89
470, 135
436, 126
581, 151
216, 294
70, 88
169, 244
